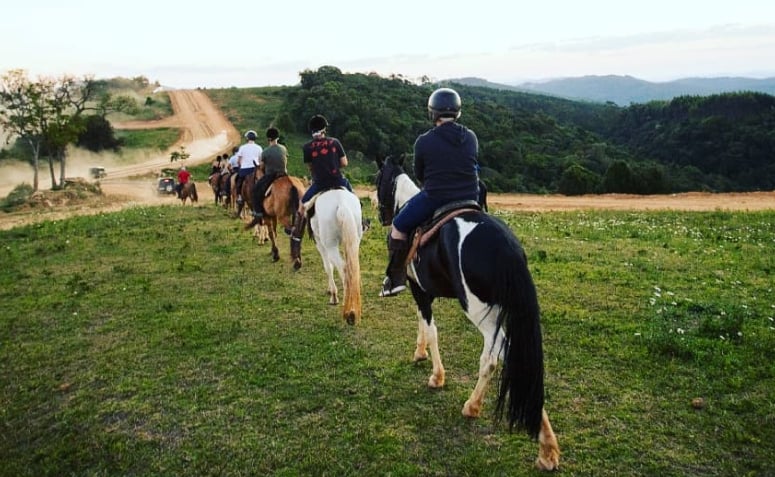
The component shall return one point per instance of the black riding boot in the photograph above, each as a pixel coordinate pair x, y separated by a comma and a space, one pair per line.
395, 279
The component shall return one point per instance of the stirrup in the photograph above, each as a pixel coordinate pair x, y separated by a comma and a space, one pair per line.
389, 290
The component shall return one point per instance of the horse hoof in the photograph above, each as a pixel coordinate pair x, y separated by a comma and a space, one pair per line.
471, 410
297, 264
435, 382
350, 318
548, 464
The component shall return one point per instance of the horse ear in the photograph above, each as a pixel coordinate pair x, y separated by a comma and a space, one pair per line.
401, 159
380, 162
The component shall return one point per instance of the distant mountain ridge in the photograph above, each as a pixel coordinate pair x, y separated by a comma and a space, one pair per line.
626, 90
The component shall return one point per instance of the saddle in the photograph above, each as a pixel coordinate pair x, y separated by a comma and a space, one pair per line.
309, 206
428, 229
271, 182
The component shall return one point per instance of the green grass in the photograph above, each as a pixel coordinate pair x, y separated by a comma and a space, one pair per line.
163, 341
155, 139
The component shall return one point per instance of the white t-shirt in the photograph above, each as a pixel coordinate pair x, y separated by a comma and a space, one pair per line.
233, 161
249, 156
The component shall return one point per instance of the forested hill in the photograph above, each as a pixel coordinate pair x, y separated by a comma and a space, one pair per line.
535, 143
626, 90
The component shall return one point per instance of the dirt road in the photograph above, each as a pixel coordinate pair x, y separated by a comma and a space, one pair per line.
205, 133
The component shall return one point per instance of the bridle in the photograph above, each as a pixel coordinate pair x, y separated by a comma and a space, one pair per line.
387, 208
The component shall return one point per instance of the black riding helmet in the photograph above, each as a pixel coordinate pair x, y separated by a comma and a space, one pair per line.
272, 133
444, 103
317, 123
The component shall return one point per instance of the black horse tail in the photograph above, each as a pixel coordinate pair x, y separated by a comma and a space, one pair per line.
522, 374
293, 200
194, 195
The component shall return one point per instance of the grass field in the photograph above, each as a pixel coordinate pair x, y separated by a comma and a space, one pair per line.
163, 341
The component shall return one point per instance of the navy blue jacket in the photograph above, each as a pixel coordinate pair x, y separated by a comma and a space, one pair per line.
445, 162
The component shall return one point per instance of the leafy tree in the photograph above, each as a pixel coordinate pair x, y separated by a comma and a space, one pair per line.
577, 180
23, 112
618, 178
50, 114
98, 135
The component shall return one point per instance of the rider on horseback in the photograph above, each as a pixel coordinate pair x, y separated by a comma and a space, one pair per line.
183, 177
445, 162
325, 158
248, 157
274, 163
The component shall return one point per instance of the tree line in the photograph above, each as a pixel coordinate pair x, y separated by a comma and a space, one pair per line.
542, 144
528, 142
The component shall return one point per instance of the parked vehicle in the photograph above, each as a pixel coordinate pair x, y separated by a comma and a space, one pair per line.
166, 185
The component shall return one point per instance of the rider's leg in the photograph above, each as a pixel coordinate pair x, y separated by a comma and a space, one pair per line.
395, 274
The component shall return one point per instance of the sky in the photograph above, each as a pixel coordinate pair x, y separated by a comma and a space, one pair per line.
242, 44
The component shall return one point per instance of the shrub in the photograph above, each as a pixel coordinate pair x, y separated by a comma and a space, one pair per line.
18, 196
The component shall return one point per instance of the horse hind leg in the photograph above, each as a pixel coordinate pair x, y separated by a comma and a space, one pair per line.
333, 292
548, 449
485, 319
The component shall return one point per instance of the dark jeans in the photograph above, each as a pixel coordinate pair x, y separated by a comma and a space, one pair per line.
419, 209
314, 188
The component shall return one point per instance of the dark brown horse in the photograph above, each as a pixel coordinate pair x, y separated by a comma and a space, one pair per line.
188, 191
281, 203
215, 185
246, 190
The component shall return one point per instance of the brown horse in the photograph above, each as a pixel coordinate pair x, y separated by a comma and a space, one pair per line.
246, 191
281, 204
215, 184
188, 191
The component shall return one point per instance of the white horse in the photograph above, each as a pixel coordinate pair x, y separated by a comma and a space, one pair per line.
337, 222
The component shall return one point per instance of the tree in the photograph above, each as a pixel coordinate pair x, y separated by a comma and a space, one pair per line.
23, 112
49, 114
618, 178
577, 180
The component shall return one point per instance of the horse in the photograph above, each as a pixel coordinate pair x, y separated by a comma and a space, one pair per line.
476, 259
188, 191
246, 191
281, 203
215, 184
336, 222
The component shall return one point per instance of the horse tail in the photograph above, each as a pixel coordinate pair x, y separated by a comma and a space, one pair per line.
352, 265
293, 199
194, 195
522, 373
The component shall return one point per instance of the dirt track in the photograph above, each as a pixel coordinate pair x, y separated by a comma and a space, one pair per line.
205, 133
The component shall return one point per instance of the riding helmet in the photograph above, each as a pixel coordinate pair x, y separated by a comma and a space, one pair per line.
317, 123
251, 135
272, 133
444, 103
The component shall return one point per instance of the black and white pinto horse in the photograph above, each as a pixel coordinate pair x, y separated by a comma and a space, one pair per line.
475, 258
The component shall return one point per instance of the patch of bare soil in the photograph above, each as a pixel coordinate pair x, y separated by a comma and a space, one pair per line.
205, 133
689, 201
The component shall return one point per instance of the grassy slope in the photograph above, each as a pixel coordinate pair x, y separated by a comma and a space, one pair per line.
162, 341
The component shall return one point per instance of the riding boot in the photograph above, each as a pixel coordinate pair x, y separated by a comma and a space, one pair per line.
395, 279
296, 232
